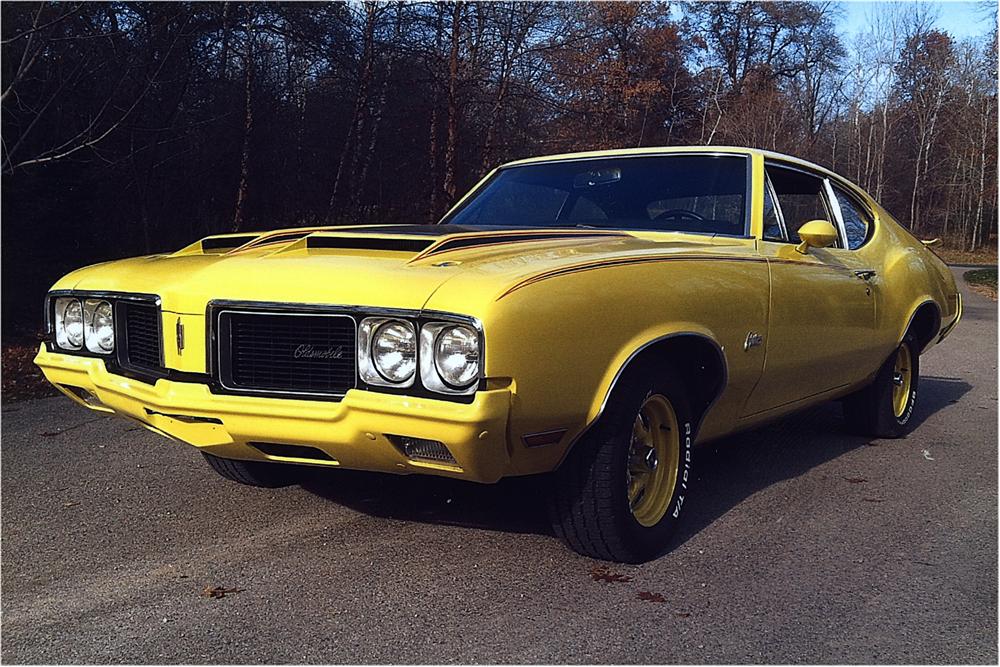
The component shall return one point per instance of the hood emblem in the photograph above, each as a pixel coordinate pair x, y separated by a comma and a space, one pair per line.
310, 352
180, 336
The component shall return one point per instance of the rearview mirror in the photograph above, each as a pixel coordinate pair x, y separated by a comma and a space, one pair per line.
590, 179
816, 234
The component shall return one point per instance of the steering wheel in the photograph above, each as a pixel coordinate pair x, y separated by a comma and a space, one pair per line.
679, 213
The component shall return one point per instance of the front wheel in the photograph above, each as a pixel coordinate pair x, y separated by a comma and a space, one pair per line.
619, 494
883, 409
253, 473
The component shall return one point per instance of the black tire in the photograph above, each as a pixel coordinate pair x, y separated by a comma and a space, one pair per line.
253, 473
589, 506
873, 411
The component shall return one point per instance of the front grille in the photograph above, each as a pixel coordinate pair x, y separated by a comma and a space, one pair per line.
286, 353
142, 334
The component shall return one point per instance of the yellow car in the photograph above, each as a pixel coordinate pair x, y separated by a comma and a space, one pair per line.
591, 315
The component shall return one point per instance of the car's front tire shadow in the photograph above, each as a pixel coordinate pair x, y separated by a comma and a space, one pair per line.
514, 505
732, 469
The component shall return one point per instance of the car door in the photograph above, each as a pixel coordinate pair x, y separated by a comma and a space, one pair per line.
822, 310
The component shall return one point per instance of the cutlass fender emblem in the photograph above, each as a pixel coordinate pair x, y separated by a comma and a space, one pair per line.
753, 340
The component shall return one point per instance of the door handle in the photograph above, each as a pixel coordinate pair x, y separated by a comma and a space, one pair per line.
865, 274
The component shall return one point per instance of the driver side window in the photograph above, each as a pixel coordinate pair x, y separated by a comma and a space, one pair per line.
801, 198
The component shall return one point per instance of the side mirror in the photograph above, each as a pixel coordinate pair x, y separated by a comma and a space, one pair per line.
816, 234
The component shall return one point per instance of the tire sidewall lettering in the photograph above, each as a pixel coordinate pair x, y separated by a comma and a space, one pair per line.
685, 465
909, 408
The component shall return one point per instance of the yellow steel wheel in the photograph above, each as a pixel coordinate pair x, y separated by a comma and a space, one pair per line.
902, 380
653, 459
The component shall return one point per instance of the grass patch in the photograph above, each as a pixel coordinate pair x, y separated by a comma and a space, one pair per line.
985, 255
983, 281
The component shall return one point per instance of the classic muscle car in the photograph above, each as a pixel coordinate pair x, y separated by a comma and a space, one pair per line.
589, 315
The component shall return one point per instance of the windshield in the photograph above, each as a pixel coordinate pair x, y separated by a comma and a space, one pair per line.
684, 193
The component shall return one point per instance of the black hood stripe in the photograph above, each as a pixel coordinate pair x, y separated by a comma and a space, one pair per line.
481, 240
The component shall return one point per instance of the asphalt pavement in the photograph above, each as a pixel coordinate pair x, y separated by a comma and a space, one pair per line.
805, 544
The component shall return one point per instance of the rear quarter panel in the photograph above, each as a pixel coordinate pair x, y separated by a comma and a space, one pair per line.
909, 275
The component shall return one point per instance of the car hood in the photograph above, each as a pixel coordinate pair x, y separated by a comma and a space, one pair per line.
388, 267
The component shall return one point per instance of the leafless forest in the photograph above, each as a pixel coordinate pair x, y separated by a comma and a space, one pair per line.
137, 127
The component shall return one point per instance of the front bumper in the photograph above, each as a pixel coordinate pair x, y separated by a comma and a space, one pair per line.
352, 432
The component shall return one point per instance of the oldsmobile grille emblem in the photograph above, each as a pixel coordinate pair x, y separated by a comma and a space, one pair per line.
310, 352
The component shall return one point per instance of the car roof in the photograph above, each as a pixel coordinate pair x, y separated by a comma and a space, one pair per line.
666, 150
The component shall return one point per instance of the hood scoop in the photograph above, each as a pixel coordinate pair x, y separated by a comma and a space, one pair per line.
225, 243
367, 243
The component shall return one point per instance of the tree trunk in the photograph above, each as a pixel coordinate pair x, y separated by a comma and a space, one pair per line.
241, 193
451, 147
344, 177
434, 164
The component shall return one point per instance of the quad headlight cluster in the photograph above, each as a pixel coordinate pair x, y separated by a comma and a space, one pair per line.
84, 323
446, 355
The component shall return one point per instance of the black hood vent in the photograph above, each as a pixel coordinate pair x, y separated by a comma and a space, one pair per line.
368, 243
225, 242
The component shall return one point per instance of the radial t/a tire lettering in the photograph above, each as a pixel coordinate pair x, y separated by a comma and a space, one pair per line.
620, 493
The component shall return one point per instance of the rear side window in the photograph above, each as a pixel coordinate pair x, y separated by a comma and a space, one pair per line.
857, 220
801, 199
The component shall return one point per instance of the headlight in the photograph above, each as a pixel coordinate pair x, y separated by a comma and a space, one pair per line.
449, 358
99, 326
387, 352
69, 323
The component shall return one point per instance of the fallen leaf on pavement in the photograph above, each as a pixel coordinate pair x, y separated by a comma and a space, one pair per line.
927, 455
682, 614
856, 480
218, 591
603, 573
650, 597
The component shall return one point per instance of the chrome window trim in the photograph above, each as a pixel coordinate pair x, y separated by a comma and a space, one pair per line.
777, 211
837, 213
858, 203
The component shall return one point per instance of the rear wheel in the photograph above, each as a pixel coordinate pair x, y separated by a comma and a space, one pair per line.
618, 496
883, 408
253, 473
